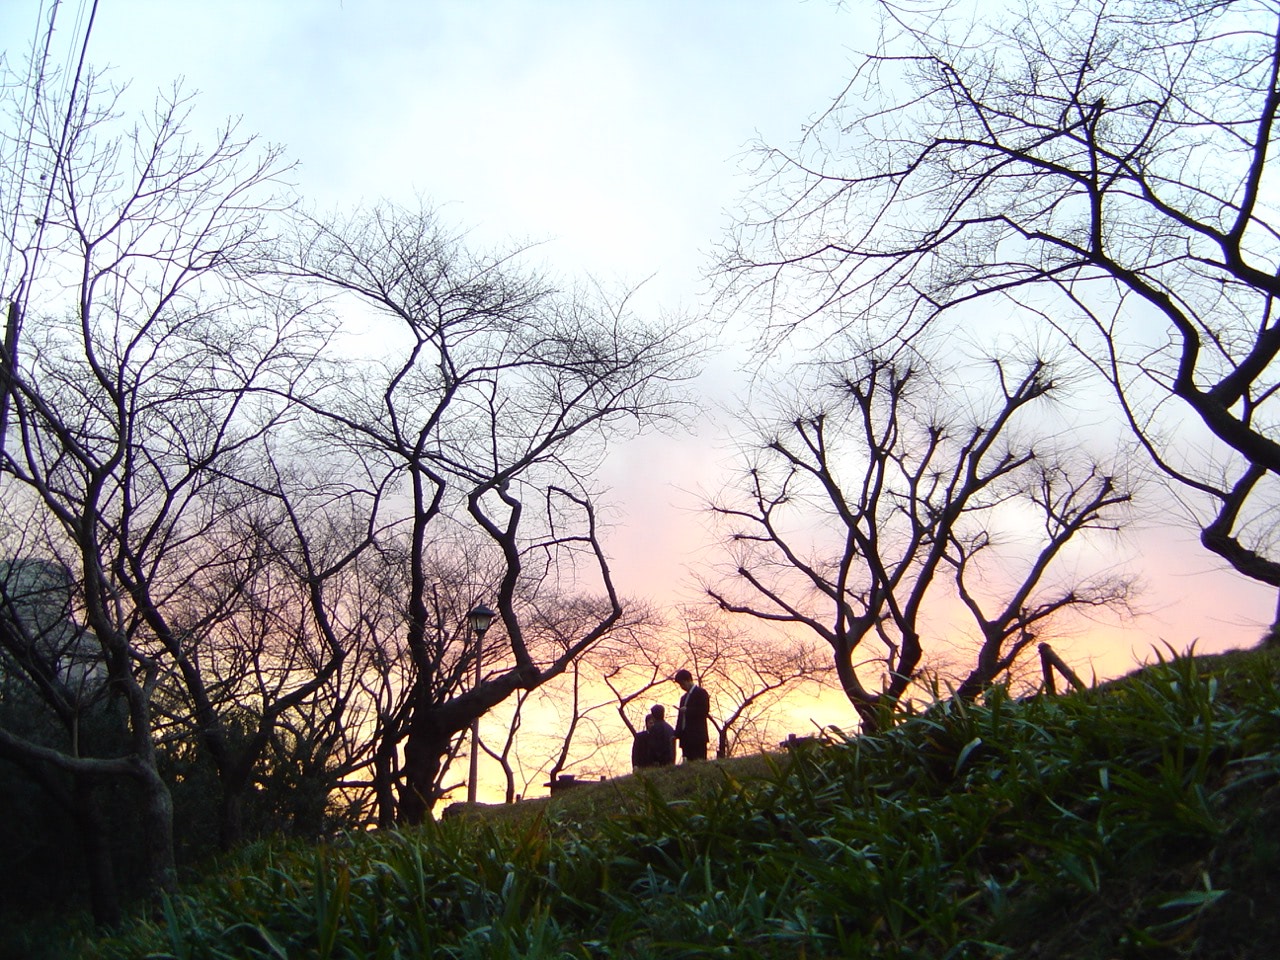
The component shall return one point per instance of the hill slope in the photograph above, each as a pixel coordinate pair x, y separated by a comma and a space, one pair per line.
1141, 819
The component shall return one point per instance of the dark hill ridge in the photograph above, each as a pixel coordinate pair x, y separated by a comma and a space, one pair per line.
1140, 819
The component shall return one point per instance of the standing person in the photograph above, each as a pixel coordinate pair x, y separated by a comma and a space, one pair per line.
691, 721
666, 735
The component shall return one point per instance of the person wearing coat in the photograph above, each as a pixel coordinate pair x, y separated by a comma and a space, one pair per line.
691, 721
666, 733
649, 748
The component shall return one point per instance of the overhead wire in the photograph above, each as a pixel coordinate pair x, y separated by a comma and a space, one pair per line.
59, 157
34, 88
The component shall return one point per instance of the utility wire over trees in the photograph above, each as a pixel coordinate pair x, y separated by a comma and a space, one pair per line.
1104, 168
868, 511
26, 190
483, 415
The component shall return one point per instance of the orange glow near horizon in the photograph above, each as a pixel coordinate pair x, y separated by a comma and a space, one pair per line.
1102, 652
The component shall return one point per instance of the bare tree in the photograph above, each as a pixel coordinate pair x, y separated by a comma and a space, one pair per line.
260, 641
149, 382
380, 678
631, 672
504, 755
1103, 168
748, 677
489, 417
862, 506
571, 702
574, 733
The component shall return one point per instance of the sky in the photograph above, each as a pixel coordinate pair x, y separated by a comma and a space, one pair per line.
612, 132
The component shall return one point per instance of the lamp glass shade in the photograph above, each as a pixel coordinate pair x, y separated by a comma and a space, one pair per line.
480, 618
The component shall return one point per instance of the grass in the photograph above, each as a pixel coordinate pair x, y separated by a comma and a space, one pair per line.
1141, 819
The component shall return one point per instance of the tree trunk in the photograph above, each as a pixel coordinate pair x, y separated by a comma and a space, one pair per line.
424, 748
157, 827
384, 795
984, 673
864, 704
103, 895
231, 816
1272, 637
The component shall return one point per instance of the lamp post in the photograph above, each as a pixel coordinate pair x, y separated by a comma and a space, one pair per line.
478, 619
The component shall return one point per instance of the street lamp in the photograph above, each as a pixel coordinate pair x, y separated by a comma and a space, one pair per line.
478, 619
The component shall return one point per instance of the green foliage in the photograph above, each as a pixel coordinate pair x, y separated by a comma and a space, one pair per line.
1136, 820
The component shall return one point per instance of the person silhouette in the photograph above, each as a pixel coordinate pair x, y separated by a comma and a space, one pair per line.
649, 748
691, 721
666, 733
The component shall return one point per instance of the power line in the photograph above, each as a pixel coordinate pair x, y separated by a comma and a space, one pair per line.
34, 88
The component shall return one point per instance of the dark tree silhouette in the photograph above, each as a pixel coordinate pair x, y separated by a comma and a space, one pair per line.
488, 417
866, 504
1104, 168
142, 412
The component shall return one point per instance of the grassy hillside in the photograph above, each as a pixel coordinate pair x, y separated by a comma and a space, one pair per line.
1141, 819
